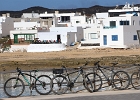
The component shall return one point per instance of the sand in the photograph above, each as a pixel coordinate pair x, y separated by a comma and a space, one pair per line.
9, 61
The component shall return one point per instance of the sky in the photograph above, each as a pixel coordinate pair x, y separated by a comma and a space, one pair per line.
16, 5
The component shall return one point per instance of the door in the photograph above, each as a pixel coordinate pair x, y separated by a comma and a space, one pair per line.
105, 39
15, 38
58, 38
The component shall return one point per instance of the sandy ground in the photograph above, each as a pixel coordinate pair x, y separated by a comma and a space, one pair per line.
8, 59
67, 54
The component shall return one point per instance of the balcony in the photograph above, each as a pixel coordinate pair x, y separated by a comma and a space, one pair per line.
109, 27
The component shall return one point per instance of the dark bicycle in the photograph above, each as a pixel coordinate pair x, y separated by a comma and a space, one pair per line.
62, 82
15, 86
135, 78
118, 79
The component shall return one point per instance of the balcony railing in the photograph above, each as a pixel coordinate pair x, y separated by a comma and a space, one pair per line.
109, 27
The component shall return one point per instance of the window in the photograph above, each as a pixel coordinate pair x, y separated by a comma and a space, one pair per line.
124, 22
112, 23
93, 35
77, 21
135, 37
133, 22
114, 37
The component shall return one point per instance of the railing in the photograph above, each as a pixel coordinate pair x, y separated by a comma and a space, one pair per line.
79, 84
109, 27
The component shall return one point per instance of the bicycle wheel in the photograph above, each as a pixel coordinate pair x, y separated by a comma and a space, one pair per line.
59, 84
121, 80
93, 82
14, 87
42, 85
135, 80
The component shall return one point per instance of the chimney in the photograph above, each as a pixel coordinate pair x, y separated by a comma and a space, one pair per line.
8, 14
56, 12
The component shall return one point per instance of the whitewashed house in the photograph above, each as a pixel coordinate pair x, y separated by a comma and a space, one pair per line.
117, 28
120, 30
6, 24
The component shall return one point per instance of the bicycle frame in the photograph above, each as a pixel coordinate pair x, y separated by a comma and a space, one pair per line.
80, 72
106, 77
25, 78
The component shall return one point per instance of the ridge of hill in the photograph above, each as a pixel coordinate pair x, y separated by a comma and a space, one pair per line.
38, 9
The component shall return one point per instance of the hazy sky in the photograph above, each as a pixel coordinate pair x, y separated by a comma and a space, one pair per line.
59, 4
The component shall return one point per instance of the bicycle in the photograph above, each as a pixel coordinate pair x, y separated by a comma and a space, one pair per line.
15, 86
135, 79
118, 79
62, 82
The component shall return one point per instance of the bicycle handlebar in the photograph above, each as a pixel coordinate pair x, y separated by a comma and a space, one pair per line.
96, 63
18, 70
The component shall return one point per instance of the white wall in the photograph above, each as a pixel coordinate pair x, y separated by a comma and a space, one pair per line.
37, 48
53, 36
7, 26
30, 15
25, 25
70, 38
109, 32
22, 32
102, 15
79, 34
63, 29
81, 19
45, 47
125, 33
88, 31
18, 48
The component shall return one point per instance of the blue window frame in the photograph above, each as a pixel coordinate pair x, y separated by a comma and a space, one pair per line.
135, 37
114, 37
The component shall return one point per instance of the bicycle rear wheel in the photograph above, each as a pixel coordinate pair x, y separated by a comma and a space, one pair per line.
92, 82
59, 84
135, 80
42, 85
14, 87
121, 80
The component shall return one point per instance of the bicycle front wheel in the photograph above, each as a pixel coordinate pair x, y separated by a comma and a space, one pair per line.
14, 87
59, 84
121, 80
92, 82
135, 80
42, 85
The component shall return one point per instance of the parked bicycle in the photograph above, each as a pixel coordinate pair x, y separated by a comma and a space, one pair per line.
15, 86
118, 79
62, 82
135, 79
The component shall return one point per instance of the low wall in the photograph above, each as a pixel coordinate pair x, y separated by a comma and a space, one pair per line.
37, 48
45, 47
19, 48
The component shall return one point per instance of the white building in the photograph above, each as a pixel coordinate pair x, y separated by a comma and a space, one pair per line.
67, 35
25, 25
118, 28
65, 19
30, 15
120, 32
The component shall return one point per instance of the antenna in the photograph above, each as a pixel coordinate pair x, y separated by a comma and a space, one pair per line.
116, 6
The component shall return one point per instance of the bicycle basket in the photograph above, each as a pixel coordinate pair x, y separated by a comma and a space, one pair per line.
58, 71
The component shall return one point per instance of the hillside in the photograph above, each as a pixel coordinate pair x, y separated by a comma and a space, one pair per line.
38, 9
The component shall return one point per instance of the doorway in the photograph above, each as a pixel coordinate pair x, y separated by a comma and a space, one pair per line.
58, 38
105, 39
